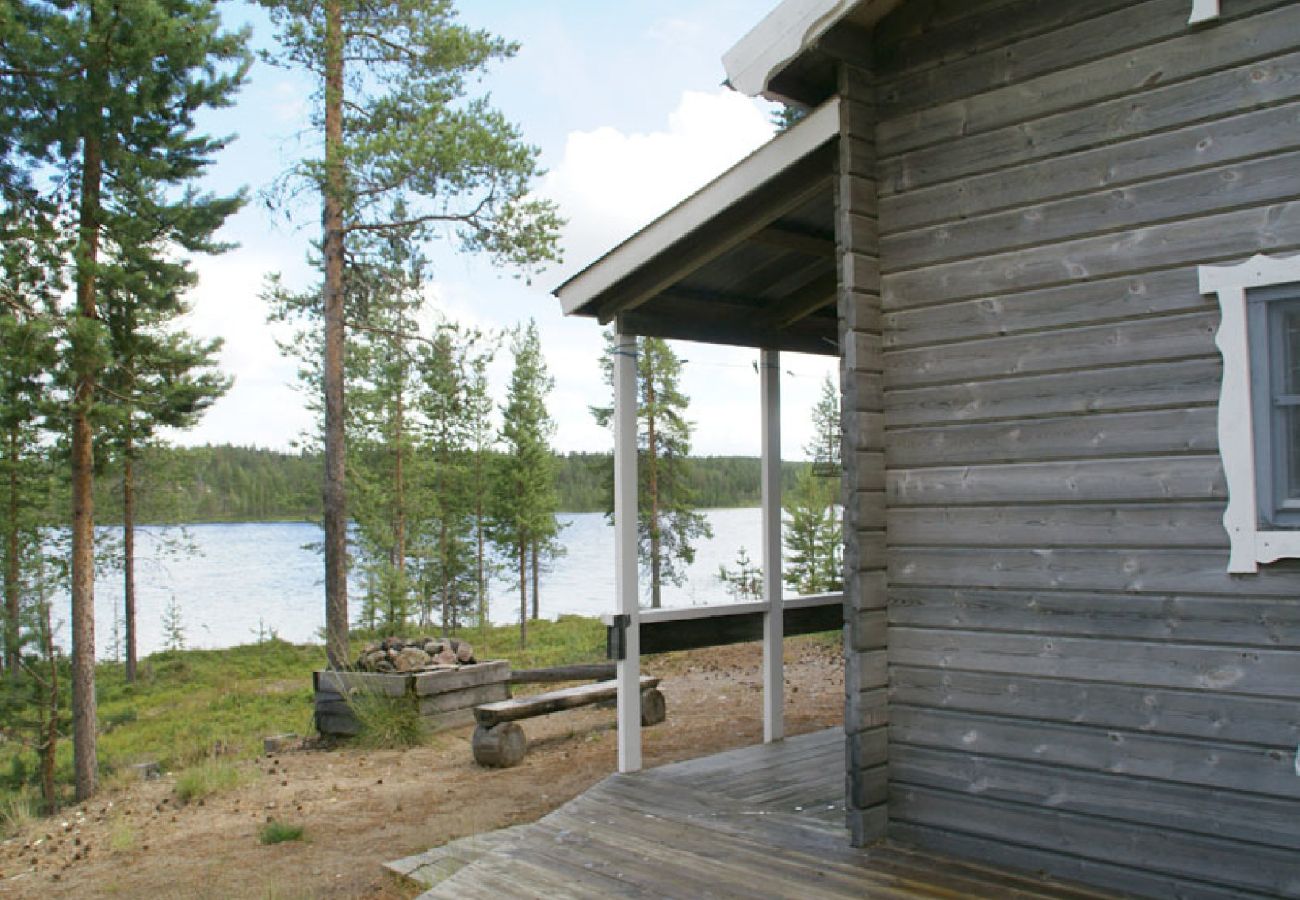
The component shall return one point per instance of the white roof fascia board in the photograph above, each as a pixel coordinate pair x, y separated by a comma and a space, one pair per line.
786, 32
775, 42
755, 170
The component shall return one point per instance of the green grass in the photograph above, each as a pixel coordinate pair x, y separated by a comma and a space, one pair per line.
17, 810
274, 832
192, 706
121, 836
207, 778
387, 723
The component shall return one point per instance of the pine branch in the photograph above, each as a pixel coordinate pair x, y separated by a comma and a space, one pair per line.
416, 221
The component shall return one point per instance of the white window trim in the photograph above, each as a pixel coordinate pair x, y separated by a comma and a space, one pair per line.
1250, 545
1203, 11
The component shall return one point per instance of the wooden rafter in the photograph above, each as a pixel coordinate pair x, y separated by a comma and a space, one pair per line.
730, 228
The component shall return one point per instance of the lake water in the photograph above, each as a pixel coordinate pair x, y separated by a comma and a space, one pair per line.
261, 577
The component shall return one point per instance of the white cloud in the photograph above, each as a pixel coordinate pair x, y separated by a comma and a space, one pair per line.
609, 183
262, 408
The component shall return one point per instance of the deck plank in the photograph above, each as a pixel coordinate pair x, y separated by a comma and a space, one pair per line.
759, 822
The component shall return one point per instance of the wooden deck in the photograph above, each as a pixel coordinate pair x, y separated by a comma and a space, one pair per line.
761, 822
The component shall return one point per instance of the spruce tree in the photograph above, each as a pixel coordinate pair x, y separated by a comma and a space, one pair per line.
526, 500
448, 547
400, 133
104, 94
813, 535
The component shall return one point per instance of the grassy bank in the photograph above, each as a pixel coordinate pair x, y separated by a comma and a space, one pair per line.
192, 706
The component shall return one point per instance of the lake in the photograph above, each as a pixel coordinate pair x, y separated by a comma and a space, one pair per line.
247, 580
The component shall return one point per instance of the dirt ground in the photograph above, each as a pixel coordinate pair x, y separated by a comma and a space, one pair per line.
361, 808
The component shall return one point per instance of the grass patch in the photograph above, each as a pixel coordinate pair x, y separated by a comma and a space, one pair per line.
17, 810
121, 836
387, 723
275, 832
207, 778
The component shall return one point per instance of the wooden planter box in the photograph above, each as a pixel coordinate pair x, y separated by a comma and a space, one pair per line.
444, 699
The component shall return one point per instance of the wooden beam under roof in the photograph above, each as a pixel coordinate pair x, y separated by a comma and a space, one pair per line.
805, 242
731, 227
815, 337
819, 293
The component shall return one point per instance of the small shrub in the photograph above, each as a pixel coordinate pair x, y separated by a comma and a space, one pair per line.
274, 832
205, 779
387, 723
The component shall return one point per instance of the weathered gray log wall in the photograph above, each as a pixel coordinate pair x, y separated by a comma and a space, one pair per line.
861, 390
1076, 683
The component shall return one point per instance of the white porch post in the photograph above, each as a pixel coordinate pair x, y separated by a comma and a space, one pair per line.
773, 621
625, 552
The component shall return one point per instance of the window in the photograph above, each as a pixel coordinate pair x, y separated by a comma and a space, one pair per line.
1274, 339
1259, 406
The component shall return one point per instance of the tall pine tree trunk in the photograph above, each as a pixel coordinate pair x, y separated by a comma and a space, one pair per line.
128, 549
12, 569
523, 593
49, 744
335, 496
536, 603
85, 760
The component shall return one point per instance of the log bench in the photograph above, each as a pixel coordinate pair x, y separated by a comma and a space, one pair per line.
499, 742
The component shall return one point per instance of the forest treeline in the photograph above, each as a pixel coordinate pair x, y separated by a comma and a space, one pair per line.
227, 483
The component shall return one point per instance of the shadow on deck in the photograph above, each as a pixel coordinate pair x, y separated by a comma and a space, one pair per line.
763, 821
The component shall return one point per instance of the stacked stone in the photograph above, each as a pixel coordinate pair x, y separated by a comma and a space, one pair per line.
394, 654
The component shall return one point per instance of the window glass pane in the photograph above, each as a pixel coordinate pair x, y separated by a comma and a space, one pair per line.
1291, 453
1291, 351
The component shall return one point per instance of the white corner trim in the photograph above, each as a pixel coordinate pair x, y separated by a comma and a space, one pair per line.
1203, 11
1249, 545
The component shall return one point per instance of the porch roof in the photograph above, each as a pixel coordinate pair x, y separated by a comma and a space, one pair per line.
748, 260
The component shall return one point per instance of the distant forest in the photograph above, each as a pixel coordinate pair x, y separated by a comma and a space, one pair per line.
244, 484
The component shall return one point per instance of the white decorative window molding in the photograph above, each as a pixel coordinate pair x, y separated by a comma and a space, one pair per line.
1252, 540
1203, 11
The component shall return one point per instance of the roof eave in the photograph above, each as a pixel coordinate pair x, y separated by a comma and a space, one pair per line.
583, 292
786, 34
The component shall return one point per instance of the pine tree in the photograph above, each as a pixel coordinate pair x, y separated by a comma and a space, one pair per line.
104, 93
400, 135
526, 501
667, 521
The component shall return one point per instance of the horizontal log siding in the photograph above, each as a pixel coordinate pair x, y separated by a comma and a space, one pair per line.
1076, 683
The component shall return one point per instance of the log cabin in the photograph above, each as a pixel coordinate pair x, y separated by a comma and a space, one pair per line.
1056, 250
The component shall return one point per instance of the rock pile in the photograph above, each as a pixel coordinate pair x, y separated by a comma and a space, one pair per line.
395, 654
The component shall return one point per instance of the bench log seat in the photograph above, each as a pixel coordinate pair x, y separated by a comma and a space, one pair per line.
499, 742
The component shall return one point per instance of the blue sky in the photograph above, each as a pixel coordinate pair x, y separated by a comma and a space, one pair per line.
625, 102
